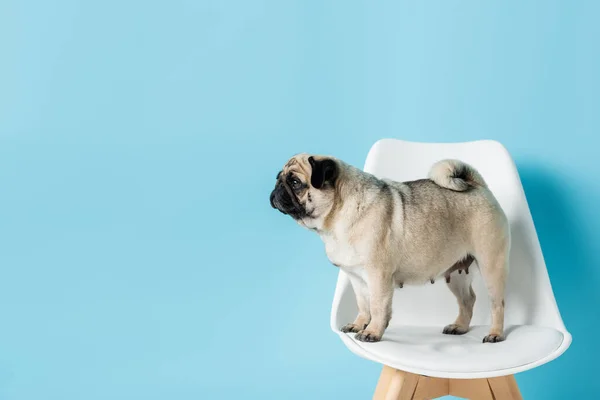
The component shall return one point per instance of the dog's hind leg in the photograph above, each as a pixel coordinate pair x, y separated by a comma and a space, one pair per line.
460, 286
493, 264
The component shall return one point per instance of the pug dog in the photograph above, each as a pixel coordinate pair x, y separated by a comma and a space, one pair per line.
386, 234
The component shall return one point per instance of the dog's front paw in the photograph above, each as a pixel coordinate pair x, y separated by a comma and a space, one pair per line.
493, 338
367, 336
352, 328
455, 329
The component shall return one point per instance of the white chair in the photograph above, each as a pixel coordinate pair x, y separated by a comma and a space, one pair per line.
421, 362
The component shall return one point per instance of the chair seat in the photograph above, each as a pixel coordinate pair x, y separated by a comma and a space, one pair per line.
427, 351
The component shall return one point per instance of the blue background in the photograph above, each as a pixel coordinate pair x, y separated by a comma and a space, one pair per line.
139, 141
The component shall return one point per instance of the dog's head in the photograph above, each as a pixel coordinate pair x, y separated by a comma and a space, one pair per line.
305, 187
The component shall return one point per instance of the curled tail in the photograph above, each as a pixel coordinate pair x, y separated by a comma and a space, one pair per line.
455, 175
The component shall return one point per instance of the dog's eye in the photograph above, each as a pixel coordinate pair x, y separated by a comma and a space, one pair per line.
295, 183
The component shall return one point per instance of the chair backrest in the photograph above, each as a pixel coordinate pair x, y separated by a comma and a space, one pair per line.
529, 297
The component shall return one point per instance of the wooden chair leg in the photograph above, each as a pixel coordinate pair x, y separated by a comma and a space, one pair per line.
384, 383
395, 385
505, 387
472, 389
431, 388
400, 385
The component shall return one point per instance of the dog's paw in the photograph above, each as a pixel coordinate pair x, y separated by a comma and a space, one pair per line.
367, 336
493, 338
455, 329
351, 328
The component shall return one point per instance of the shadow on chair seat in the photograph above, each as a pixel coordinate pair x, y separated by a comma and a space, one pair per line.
426, 351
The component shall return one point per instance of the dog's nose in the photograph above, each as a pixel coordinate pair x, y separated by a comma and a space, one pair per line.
272, 199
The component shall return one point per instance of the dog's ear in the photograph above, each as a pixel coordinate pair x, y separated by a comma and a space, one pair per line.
323, 171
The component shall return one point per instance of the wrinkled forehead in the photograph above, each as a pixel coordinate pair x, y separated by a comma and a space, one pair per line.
298, 164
